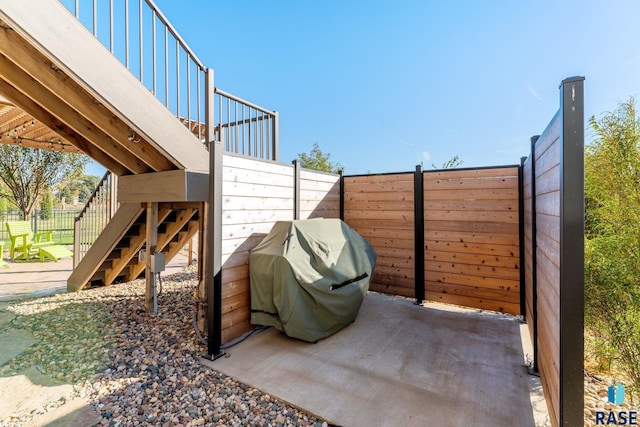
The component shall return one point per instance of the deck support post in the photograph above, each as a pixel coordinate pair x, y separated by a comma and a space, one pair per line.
151, 294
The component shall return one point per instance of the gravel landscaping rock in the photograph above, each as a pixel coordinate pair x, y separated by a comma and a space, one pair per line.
135, 368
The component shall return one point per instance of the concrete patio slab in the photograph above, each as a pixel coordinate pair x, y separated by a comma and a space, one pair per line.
397, 364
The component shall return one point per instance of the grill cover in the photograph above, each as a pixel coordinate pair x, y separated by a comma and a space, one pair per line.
309, 277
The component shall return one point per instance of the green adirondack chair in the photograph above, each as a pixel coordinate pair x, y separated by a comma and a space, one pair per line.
25, 244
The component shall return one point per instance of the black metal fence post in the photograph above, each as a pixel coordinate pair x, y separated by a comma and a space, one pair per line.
572, 253
534, 261
523, 296
341, 194
418, 202
214, 254
296, 189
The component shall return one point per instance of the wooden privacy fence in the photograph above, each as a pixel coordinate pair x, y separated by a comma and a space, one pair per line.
449, 235
508, 238
471, 227
255, 195
553, 182
381, 209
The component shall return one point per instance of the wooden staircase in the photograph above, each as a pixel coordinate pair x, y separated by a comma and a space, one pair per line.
115, 260
61, 75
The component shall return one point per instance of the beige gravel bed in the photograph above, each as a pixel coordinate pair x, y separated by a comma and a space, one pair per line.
133, 367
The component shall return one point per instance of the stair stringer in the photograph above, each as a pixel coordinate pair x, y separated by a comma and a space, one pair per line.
123, 219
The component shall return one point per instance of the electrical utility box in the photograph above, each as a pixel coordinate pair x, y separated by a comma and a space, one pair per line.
157, 262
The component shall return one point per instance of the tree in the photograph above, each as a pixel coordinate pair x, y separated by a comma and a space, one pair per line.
29, 172
319, 161
80, 186
452, 163
46, 206
612, 240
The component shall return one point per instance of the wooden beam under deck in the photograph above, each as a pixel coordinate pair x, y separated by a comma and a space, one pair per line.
56, 107
62, 129
49, 27
50, 76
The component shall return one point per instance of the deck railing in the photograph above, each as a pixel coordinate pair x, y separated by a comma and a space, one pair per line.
244, 127
95, 216
139, 35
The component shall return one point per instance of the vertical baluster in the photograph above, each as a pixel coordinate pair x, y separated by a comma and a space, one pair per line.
126, 33
111, 36
249, 140
228, 135
244, 125
267, 133
199, 73
188, 93
141, 41
219, 117
177, 78
255, 133
237, 131
166, 65
95, 18
153, 53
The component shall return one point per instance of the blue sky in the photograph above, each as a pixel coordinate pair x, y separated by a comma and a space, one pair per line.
385, 85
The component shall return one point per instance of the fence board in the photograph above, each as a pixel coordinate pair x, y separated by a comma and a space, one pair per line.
377, 197
381, 187
471, 183
473, 205
473, 194
472, 270
473, 173
379, 205
501, 306
479, 216
473, 259
462, 276
472, 292
473, 226
378, 179
381, 215
474, 248
384, 233
471, 237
